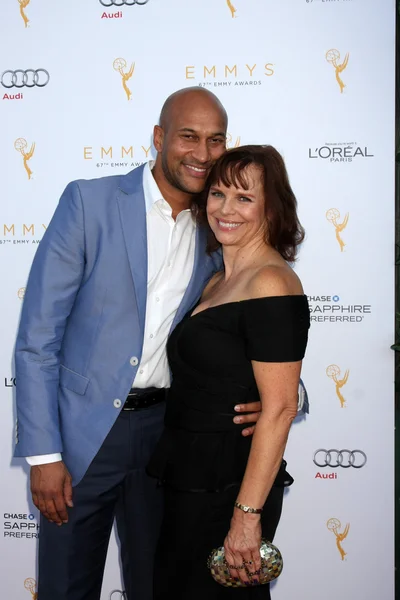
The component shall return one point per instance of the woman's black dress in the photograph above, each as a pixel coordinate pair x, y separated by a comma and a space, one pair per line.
201, 456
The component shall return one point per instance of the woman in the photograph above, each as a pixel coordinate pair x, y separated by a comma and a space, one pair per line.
243, 341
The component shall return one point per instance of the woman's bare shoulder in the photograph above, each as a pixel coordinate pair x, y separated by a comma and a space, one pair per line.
274, 280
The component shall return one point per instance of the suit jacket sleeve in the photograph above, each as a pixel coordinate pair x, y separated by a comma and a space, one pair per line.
53, 283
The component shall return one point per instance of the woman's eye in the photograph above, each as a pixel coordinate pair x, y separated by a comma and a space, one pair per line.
245, 199
216, 194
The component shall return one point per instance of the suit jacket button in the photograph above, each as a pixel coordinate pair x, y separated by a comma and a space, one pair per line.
134, 361
117, 403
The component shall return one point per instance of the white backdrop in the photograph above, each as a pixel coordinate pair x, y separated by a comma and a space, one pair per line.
315, 78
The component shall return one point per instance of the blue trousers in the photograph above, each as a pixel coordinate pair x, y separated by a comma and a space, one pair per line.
72, 557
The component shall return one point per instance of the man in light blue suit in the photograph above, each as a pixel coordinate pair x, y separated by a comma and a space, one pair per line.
120, 264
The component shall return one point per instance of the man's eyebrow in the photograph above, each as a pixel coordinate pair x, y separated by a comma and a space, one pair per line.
189, 130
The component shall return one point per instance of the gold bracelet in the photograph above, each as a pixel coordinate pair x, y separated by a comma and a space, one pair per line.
248, 509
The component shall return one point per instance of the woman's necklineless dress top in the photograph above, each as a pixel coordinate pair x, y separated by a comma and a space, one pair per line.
210, 354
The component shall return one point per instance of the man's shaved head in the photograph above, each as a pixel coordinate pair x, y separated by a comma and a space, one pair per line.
190, 137
186, 97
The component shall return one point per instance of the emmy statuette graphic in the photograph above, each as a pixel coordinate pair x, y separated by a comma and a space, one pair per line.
334, 525
22, 5
119, 65
333, 57
332, 216
333, 371
21, 145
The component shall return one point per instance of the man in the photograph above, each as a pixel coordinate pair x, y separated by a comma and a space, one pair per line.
119, 265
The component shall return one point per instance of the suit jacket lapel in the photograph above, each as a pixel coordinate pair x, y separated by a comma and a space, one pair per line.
132, 210
195, 287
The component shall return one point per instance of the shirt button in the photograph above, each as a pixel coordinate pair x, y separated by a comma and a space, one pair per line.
151, 335
141, 371
134, 361
157, 299
117, 403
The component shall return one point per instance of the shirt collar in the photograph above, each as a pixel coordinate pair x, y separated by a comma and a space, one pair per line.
152, 192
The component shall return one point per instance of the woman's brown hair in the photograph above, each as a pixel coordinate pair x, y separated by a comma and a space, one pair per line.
284, 230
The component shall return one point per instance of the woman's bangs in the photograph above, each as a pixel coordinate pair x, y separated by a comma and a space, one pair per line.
231, 172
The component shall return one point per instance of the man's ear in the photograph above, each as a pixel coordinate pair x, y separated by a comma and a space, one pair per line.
158, 138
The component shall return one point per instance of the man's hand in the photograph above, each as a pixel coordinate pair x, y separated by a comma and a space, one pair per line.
253, 410
51, 489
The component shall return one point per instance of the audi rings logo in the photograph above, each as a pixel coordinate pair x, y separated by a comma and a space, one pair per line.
29, 78
340, 458
123, 2
118, 595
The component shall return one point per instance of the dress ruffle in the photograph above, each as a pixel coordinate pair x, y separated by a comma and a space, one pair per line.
204, 462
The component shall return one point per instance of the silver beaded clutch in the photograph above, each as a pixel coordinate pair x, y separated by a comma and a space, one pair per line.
271, 565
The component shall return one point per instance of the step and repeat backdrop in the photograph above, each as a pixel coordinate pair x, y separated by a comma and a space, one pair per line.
81, 86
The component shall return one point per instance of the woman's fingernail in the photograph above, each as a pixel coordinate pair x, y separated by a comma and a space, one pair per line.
237, 419
238, 407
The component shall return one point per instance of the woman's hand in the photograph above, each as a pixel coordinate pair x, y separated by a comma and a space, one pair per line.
242, 547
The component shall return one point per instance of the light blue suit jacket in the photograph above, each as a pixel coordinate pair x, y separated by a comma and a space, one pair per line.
80, 338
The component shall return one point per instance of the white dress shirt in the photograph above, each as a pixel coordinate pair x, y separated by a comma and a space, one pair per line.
170, 249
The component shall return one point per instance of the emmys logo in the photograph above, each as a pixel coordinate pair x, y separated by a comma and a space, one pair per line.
334, 525
231, 8
333, 372
22, 5
119, 65
30, 585
332, 215
21, 233
229, 140
333, 57
21, 146
117, 156
225, 75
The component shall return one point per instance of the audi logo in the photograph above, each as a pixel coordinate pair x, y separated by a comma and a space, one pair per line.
123, 2
29, 78
118, 595
340, 458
